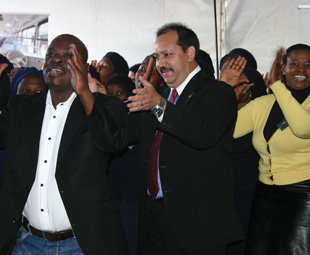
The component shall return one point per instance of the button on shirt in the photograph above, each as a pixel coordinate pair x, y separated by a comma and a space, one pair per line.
179, 90
44, 208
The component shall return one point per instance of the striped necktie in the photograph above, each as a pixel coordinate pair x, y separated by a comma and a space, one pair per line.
152, 173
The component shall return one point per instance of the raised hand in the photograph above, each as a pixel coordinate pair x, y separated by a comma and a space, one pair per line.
243, 92
145, 99
95, 85
13, 71
2, 67
232, 70
95, 64
275, 73
79, 80
147, 75
267, 82
78, 70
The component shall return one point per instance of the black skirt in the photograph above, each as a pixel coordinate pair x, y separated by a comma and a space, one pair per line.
280, 220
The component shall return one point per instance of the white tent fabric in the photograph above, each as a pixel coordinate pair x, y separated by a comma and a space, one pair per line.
262, 27
129, 26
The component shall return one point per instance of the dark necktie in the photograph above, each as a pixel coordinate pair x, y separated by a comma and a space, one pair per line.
152, 173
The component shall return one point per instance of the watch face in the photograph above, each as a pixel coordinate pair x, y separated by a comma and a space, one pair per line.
157, 112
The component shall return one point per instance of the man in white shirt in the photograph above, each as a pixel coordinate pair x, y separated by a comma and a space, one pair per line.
55, 192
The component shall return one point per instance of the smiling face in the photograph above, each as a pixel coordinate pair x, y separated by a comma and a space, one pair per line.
297, 69
56, 73
172, 62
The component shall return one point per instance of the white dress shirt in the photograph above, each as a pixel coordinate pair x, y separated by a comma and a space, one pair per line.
44, 208
179, 90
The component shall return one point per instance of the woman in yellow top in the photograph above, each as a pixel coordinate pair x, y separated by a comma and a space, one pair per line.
280, 220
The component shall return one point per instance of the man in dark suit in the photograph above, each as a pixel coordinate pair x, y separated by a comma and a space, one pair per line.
186, 190
54, 194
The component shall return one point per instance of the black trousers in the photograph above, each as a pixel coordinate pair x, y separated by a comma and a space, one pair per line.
280, 220
159, 238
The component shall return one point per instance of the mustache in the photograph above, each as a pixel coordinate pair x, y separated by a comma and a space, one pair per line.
162, 69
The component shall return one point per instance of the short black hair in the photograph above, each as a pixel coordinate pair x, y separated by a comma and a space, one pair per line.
187, 37
294, 47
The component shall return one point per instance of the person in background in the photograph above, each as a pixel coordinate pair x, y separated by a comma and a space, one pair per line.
9, 66
28, 81
5, 87
148, 71
111, 63
120, 86
234, 53
280, 123
185, 135
205, 62
5, 94
132, 72
244, 156
124, 166
55, 197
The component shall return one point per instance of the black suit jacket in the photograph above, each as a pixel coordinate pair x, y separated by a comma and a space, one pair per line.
195, 162
80, 172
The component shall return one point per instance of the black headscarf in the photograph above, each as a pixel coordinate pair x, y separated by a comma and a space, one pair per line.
205, 62
123, 80
251, 61
259, 87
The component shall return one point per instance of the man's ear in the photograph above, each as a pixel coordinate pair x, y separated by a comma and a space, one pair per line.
191, 51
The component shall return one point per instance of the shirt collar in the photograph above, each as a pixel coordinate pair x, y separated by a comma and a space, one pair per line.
186, 81
67, 102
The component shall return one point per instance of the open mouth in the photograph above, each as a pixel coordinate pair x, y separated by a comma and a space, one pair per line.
166, 71
300, 77
56, 71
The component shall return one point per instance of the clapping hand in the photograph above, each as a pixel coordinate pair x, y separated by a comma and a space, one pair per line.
232, 70
145, 99
2, 67
275, 73
78, 71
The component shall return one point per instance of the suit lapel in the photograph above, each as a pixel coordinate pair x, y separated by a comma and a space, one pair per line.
73, 122
33, 117
190, 90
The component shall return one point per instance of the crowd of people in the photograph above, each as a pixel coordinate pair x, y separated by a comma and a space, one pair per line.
157, 158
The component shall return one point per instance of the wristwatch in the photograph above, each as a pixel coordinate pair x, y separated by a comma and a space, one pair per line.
158, 110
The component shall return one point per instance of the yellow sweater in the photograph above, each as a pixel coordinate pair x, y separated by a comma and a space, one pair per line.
288, 159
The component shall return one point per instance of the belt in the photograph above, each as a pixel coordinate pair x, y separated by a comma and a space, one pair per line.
49, 236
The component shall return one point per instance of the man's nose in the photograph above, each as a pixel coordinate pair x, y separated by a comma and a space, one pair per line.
57, 58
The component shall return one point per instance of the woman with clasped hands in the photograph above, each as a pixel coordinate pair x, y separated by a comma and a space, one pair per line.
280, 220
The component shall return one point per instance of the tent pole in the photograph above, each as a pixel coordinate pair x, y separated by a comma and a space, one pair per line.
216, 40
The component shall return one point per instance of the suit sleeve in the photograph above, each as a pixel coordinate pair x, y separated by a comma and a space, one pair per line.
4, 126
105, 123
205, 119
